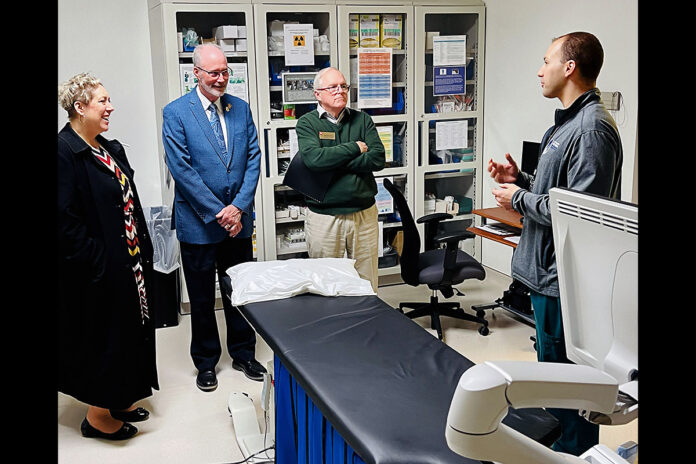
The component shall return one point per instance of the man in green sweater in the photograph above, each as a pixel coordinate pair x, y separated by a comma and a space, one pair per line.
344, 143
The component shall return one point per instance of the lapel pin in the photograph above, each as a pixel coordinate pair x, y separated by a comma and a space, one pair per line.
227, 108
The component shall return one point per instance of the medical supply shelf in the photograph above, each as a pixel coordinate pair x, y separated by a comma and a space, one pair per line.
411, 123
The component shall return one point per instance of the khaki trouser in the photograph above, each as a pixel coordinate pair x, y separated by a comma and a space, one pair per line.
354, 235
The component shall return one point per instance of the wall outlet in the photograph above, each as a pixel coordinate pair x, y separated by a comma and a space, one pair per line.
611, 100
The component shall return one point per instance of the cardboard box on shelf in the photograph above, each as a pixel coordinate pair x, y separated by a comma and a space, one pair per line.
398, 242
391, 31
429, 39
353, 30
369, 31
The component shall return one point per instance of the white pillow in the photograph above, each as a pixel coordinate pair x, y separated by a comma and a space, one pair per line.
274, 280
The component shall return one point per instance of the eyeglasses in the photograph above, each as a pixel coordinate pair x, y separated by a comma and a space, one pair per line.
336, 88
216, 74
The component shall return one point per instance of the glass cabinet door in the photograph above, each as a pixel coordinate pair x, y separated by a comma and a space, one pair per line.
297, 41
375, 55
449, 114
231, 27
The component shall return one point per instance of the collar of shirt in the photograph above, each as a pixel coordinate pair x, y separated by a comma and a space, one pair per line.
218, 104
206, 103
563, 114
323, 113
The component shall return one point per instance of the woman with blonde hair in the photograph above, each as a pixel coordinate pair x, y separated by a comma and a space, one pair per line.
106, 349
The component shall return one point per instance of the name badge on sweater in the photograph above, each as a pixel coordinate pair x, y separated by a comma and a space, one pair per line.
551, 146
327, 135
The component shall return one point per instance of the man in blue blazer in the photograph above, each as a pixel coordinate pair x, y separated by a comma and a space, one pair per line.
212, 152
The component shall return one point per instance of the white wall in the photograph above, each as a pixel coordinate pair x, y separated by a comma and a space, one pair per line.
111, 39
517, 36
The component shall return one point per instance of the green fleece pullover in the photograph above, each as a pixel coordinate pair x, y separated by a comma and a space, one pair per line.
327, 147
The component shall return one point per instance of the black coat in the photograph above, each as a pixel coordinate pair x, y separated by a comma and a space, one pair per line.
106, 354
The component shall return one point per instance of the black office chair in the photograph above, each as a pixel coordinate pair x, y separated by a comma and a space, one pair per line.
438, 268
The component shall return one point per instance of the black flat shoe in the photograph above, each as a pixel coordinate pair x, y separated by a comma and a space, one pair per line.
206, 380
252, 369
125, 432
136, 415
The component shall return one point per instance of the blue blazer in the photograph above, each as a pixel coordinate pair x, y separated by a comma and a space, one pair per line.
204, 184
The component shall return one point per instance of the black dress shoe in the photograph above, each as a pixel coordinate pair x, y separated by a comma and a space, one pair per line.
126, 431
136, 415
252, 369
206, 380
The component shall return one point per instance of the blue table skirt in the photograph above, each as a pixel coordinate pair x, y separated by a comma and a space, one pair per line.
303, 435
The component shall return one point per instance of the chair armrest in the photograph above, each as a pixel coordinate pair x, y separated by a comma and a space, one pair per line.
452, 240
431, 227
434, 217
455, 236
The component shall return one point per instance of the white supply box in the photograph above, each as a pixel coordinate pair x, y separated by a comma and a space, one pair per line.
240, 45
226, 32
227, 45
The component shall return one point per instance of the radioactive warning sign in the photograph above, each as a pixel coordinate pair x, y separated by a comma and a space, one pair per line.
299, 44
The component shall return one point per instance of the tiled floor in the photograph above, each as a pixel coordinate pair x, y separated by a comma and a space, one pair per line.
192, 427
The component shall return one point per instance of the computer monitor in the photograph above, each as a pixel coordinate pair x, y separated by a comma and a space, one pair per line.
530, 156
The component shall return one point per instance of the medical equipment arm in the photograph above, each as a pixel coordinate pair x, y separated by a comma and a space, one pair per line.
485, 392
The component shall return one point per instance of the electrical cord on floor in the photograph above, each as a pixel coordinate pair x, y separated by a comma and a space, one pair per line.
254, 455
265, 436
265, 427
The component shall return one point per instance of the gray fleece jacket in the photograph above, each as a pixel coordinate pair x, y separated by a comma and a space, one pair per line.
581, 151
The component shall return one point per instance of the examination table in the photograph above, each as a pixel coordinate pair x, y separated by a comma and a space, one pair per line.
357, 381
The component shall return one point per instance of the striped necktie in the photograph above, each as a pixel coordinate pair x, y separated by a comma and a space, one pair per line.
217, 127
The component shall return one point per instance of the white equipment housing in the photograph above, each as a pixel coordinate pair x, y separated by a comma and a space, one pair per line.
252, 441
596, 243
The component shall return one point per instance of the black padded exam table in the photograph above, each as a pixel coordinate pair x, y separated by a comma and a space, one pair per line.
380, 381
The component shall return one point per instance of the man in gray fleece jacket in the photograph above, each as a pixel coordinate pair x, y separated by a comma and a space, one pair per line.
581, 151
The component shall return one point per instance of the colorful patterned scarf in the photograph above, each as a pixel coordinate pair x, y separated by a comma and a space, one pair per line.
131, 233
